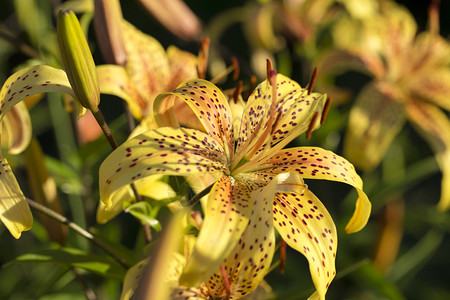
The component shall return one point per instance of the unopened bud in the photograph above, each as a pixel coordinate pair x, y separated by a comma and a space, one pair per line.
108, 30
77, 60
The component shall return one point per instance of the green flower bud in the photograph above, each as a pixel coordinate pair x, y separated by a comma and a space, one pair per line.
77, 60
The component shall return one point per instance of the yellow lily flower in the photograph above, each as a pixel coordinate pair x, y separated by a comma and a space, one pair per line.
277, 112
411, 82
165, 266
149, 71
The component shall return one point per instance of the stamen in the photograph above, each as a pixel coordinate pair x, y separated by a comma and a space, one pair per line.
312, 81
311, 125
282, 256
326, 108
226, 281
235, 64
203, 58
251, 86
433, 16
237, 91
269, 67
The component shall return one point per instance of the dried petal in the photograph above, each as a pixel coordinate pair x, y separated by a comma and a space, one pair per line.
176, 16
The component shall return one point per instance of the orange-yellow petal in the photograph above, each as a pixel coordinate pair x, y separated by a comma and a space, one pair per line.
227, 214
209, 105
375, 119
30, 81
14, 210
147, 64
16, 132
114, 80
250, 259
306, 226
434, 125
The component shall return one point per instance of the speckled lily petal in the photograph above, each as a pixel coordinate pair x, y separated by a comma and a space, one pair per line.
150, 186
306, 226
432, 58
434, 125
118, 198
30, 81
132, 278
317, 163
375, 120
14, 210
16, 132
250, 259
147, 63
227, 214
169, 151
208, 103
114, 80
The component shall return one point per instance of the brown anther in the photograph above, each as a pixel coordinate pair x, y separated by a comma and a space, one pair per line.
236, 68
237, 92
251, 86
311, 125
197, 218
312, 81
203, 58
272, 77
282, 256
326, 108
226, 281
433, 16
269, 67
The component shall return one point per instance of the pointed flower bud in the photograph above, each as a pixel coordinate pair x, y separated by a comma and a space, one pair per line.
77, 60
108, 30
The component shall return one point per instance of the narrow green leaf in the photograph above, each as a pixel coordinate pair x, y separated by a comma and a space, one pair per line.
76, 258
369, 275
143, 212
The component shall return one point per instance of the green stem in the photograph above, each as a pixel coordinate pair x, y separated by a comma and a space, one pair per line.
105, 128
199, 196
78, 229
24, 48
112, 141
